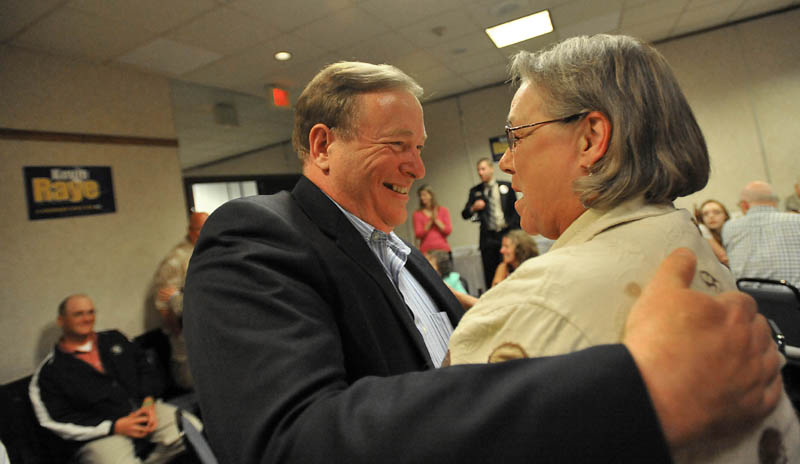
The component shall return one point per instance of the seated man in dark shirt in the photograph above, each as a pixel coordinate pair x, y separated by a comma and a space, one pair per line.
97, 390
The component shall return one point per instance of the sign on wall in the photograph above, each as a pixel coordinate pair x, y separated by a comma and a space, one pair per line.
64, 191
498, 145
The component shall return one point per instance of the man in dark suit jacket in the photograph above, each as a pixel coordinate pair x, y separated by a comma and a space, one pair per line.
311, 337
482, 205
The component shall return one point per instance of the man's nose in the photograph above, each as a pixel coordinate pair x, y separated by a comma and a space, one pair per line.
414, 167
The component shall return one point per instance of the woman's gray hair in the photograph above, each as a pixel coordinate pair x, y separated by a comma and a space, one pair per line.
332, 95
656, 147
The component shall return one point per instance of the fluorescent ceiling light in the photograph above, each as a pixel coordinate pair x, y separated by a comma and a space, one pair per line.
520, 29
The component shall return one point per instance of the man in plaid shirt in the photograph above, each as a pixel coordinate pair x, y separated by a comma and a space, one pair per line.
765, 243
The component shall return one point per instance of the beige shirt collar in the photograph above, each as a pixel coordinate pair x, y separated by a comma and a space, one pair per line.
594, 221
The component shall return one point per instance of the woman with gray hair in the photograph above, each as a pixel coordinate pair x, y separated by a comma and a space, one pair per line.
601, 141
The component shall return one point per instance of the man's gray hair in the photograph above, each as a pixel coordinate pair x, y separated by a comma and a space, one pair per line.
331, 98
656, 147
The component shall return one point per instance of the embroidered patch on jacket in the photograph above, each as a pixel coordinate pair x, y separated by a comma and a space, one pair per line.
507, 352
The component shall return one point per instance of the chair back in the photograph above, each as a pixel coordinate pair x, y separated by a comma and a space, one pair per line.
779, 302
194, 439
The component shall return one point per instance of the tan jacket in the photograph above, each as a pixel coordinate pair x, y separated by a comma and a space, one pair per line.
579, 294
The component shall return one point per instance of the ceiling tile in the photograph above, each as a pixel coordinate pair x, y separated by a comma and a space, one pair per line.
153, 15
440, 28
486, 76
223, 30
651, 11
464, 64
444, 88
402, 13
584, 12
379, 49
694, 4
488, 14
530, 45
254, 62
470, 44
288, 15
18, 14
75, 33
296, 77
417, 62
653, 30
430, 75
598, 25
755, 7
169, 57
703, 17
342, 28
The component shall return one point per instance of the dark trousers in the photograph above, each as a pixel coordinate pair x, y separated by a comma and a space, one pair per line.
490, 253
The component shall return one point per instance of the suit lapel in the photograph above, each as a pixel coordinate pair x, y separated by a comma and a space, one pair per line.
323, 212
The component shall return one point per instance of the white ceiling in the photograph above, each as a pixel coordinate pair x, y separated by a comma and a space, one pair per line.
221, 51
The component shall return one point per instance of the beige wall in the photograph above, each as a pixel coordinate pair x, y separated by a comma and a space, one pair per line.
109, 256
743, 82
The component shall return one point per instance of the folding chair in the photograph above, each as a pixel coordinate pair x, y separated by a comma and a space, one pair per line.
194, 439
779, 302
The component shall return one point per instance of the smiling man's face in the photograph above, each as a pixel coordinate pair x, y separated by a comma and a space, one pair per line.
372, 172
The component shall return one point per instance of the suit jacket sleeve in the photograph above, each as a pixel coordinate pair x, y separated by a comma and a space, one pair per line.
466, 213
268, 350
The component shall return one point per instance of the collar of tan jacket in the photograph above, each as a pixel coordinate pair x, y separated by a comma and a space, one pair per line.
594, 221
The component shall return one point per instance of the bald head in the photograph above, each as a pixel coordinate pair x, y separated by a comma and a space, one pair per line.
757, 193
196, 221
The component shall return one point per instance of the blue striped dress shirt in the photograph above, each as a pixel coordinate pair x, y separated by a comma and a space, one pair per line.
433, 325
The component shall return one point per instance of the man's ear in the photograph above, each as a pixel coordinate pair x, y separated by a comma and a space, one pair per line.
60, 321
595, 138
319, 140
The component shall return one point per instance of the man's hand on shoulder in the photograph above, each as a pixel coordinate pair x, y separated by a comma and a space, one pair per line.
709, 363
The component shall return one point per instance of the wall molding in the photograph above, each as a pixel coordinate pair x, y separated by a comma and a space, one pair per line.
72, 137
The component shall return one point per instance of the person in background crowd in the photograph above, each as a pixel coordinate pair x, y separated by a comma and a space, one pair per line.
793, 200
315, 333
711, 217
431, 222
601, 141
764, 243
492, 204
443, 264
167, 294
97, 390
517, 247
